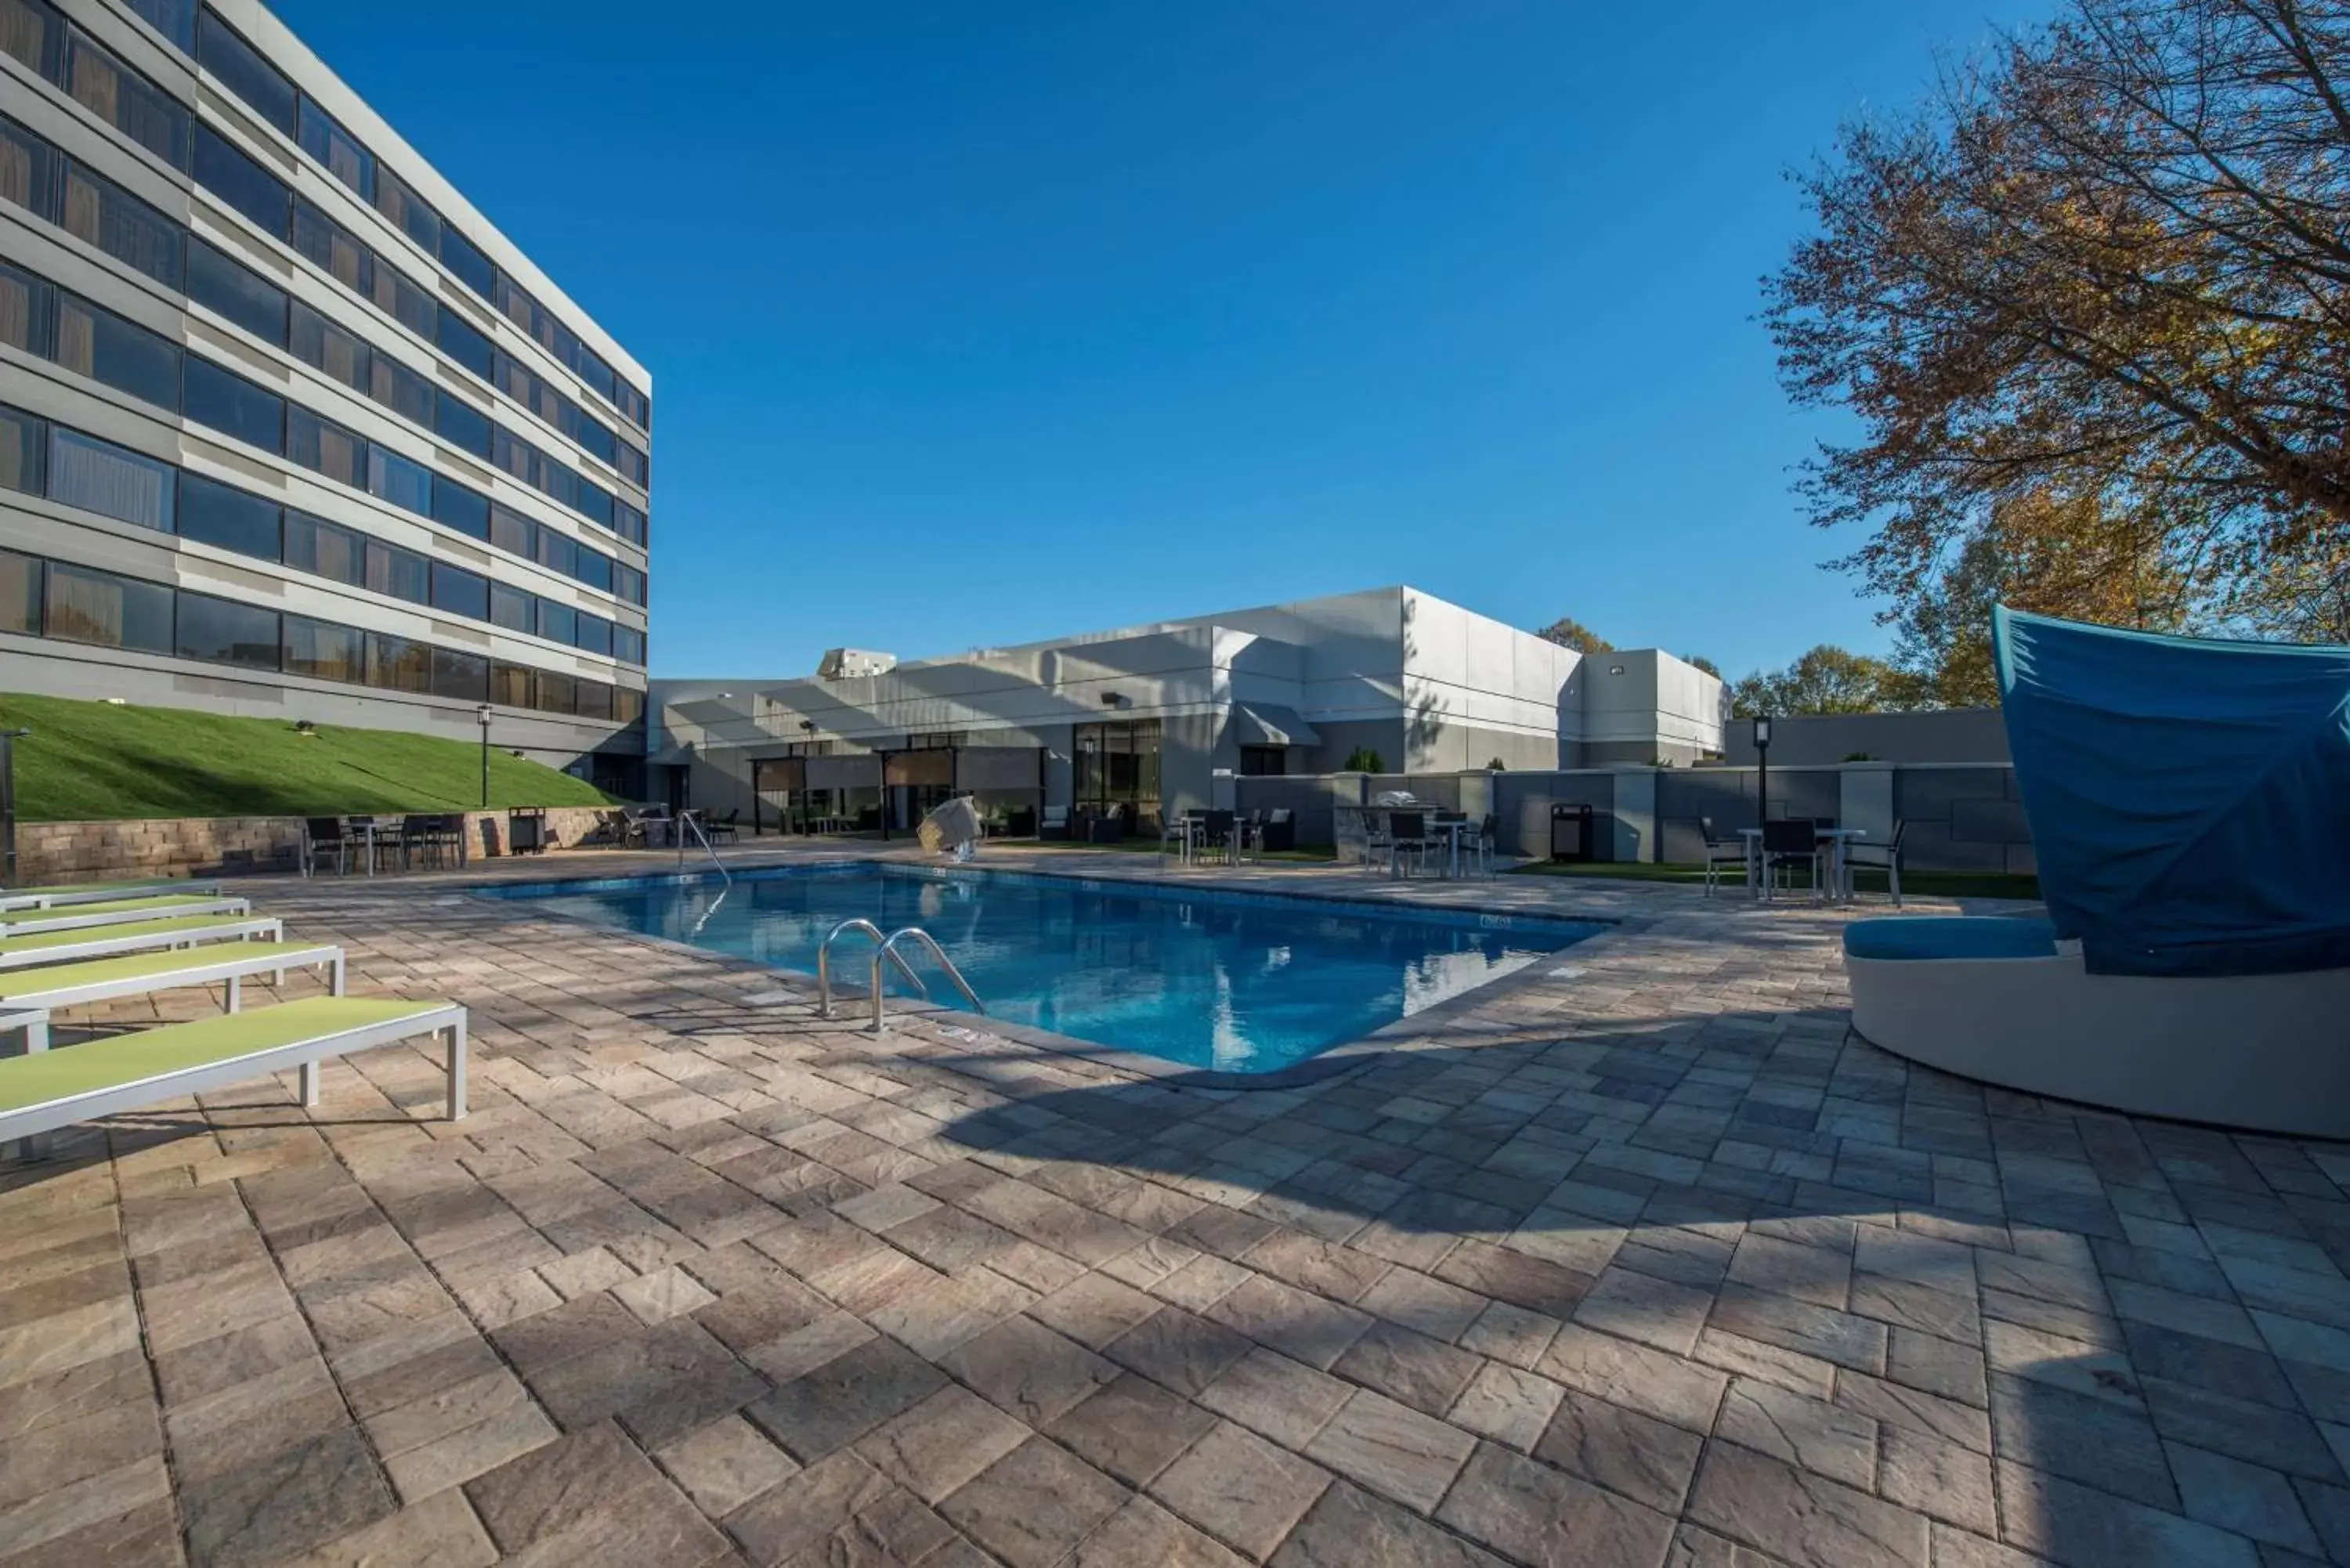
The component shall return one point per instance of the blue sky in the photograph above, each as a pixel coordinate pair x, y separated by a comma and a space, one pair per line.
976, 324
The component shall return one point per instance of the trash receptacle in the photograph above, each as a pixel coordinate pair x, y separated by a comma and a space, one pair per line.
1570, 833
526, 832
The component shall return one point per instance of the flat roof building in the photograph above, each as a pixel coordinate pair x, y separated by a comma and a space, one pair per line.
286, 426
1140, 722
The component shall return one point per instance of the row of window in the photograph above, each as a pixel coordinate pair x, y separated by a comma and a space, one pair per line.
44, 42
266, 91
74, 468
77, 604
42, 318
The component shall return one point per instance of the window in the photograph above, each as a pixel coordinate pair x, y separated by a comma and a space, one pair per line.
108, 611
241, 69
557, 623
594, 634
403, 300
235, 406
628, 704
633, 405
556, 553
324, 550
396, 664
323, 345
511, 532
24, 164
406, 483
628, 523
552, 694
595, 700
467, 511
635, 466
33, 32
594, 438
238, 181
407, 210
594, 371
594, 568
127, 101
461, 592
215, 514
465, 675
510, 685
1264, 762
175, 20
333, 146
627, 645
1117, 766
324, 448
402, 390
235, 292
98, 213
23, 451
27, 307
99, 476
593, 502
628, 583
460, 256
512, 609
20, 589
513, 303
333, 248
461, 424
462, 344
324, 651
219, 631
397, 573
104, 348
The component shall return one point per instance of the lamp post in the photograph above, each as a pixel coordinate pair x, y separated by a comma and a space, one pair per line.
483, 713
8, 739
1762, 770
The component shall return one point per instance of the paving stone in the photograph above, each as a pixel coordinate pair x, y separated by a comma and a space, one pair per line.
1033, 1506
662, 1294
1093, 1310
845, 1398
1131, 1428
1424, 1303
1239, 1488
1936, 1366
1347, 1526
1510, 1334
726, 1464
1297, 1323
1275, 1396
937, 1316
1937, 1478
2245, 1498
1644, 1458
1635, 1376
1178, 1349
1803, 1326
1788, 1369
2085, 1438
1633, 1305
1535, 1515
1024, 1368
1423, 1372
284, 1503
1804, 1517
806, 1508
1819, 1275
1142, 1532
1512, 1407
441, 1531
2083, 1526
942, 1443
1393, 1450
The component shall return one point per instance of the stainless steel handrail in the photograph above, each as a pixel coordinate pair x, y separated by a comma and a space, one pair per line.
824, 962
889, 950
686, 819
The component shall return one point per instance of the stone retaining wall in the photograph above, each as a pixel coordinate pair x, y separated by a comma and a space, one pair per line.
224, 846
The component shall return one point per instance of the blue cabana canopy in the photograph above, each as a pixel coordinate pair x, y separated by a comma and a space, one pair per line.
2189, 800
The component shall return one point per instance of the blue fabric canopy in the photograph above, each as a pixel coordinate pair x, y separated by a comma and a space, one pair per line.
2189, 800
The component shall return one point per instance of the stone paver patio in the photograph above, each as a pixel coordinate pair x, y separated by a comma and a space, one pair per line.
1640, 1258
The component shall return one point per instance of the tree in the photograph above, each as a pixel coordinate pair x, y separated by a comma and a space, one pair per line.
1702, 662
1364, 760
1568, 632
1827, 680
2107, 264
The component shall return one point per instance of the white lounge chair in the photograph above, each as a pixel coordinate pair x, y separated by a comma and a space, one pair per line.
142, 974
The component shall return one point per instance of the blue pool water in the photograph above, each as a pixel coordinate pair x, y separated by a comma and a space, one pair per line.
1241, 982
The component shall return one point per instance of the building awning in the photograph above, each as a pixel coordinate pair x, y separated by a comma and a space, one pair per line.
1270, 724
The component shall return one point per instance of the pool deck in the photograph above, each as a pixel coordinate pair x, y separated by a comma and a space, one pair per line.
1640, 1258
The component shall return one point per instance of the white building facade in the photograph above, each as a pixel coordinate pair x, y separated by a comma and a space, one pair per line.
286, 427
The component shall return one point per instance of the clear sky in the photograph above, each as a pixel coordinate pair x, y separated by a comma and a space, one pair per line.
975, 324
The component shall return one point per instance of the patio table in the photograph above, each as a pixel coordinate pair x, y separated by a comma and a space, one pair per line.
1835, 883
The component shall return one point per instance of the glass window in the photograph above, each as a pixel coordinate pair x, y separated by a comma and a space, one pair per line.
627, 645
467, 511
24, 164
635, 466
98, 213
595, 700
403, 300
402, 390
243, 72
397, 664
595, 440
102, 345
324, 448
229, 289
462, 344
336, 250
20, 593
323, 345
594, 634
238, 181
628, 704
23, 451
219, 631
324, 550
235, 406
634, 404
513, 303
406, 483
127, 101
175, 20
324, 651
593, 501
335, 147
461, 256
99, 476
593, 370
33, 32
514, 456
510, 685
594, 568
461, 592
28, 313
461, 424
510, 531
108, 611
628, 583
557, 623
628, 523
511, 608
465, 676
552, 694
397, 573
556, 553
407, 210
234, 519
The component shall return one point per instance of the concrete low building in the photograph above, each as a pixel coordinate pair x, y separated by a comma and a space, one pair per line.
1147, 719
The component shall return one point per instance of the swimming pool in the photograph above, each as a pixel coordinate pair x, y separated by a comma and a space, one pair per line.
1241, 982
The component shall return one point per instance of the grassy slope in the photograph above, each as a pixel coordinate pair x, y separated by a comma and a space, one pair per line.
93, 760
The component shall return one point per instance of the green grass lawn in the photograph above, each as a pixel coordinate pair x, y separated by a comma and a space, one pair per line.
96, 761
1926, 884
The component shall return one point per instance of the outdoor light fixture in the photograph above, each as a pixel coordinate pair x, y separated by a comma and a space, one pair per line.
1112, 699
1762, 769
808, 725
483, 713
1615, 669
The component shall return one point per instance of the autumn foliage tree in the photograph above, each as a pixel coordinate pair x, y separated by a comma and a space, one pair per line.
2091, 307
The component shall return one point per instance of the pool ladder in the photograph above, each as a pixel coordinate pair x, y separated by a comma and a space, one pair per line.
886, 948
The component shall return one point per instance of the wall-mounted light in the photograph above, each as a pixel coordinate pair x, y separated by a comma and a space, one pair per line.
1615, 669
808, 725
1113, 699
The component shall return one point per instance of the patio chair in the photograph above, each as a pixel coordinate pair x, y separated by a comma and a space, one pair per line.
1721, 853
1860, 854
428, 837
1053, 826
323, 836
1220, 830
1280, 831
1406, 835
1379, 838
1483, 843
1796, 841
726, 829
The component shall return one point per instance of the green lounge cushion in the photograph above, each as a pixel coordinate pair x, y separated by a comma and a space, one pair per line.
52, 889
30, 942
15, 983
46, 1076
159, 904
